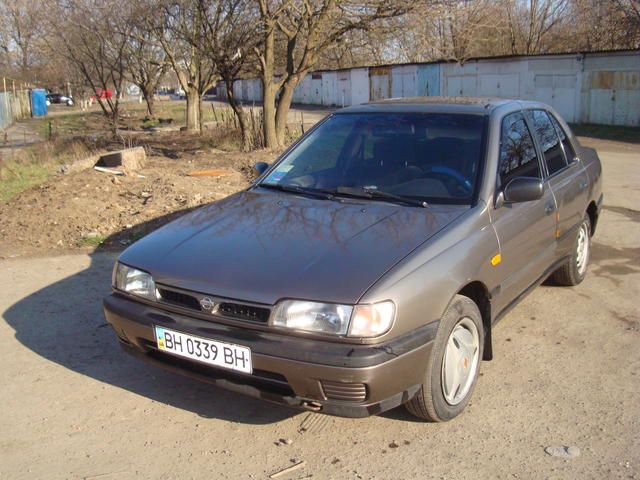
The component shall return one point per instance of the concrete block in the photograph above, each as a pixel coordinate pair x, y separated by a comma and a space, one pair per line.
129, 160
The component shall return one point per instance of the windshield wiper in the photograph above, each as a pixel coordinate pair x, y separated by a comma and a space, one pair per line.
369, 192
299, 190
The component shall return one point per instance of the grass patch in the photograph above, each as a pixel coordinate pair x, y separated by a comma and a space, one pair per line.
73, 123
33, 165
92, 241
133, 116
16, 177
617, 133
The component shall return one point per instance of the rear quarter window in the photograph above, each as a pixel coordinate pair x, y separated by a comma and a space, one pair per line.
564, 139
552, 151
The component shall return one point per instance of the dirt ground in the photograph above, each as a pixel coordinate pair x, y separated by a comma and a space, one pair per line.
565, 373
89, 208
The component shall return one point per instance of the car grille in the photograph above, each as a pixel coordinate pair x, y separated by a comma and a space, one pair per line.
244, 312
346, 392
238, 311
180, 299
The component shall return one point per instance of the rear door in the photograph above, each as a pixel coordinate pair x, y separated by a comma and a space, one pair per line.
525, 230
564, 175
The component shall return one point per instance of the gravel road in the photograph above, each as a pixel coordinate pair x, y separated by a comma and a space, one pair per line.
565, 374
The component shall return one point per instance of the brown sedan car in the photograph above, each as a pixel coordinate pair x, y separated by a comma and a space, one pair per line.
367, 266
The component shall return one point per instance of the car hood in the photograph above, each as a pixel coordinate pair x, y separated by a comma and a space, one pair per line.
262, 246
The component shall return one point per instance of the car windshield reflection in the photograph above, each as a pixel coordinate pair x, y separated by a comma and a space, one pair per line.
423, 157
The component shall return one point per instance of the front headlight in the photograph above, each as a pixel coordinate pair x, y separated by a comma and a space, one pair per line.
134, 281
359, 321
313, 316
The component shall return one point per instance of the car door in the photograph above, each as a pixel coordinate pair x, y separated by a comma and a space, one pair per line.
526, 231
565, 176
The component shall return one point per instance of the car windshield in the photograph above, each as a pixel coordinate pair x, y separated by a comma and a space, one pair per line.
431, 157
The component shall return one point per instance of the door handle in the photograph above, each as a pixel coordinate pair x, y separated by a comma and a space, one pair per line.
583, 184
549, 208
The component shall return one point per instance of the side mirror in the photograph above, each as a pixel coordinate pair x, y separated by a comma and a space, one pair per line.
523, 189
261, 167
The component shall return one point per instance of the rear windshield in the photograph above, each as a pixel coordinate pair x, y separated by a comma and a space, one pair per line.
427, 156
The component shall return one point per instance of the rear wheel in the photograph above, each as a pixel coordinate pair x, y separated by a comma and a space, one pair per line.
575, 269
453, 368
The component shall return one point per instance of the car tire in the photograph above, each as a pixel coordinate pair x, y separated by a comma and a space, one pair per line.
574, 270
438, 399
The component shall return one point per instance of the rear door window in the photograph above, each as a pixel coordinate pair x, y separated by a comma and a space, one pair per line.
518, 156
549, 141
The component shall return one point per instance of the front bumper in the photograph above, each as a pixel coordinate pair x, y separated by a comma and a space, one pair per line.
293, 371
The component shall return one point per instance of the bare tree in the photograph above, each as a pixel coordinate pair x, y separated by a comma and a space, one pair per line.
449, 29
361, 48
309, 28
23, 29
148, 62
180, 28
530, 21
231, 35
94, 38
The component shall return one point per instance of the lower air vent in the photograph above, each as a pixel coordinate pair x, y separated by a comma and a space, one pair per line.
346, 392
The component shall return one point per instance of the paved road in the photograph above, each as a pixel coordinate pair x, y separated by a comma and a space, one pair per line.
566, 372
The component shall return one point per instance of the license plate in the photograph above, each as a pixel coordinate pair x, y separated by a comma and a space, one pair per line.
212, 352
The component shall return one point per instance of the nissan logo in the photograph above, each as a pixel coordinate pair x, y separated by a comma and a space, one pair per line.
207, 304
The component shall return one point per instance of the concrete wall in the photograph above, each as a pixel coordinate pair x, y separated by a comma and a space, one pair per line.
589, 88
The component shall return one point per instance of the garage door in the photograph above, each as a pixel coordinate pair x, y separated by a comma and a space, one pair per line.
559, 91
504, 86
461, 86
614, 98
379, 83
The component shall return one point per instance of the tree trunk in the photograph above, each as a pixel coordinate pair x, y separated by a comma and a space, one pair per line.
240, 115
269, 87
147, 94
242, 123
269, 114
282, 112
115, 112
193, 110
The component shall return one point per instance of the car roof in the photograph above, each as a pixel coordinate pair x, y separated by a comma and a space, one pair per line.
469, 105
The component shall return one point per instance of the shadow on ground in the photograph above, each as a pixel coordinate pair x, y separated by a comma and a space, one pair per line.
64, 323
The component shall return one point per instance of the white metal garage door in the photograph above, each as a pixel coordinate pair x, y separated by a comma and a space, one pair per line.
559, 91
504, 86
614, 98
461, 86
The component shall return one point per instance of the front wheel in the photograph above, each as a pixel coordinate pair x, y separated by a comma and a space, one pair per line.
575, 269
452, 371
